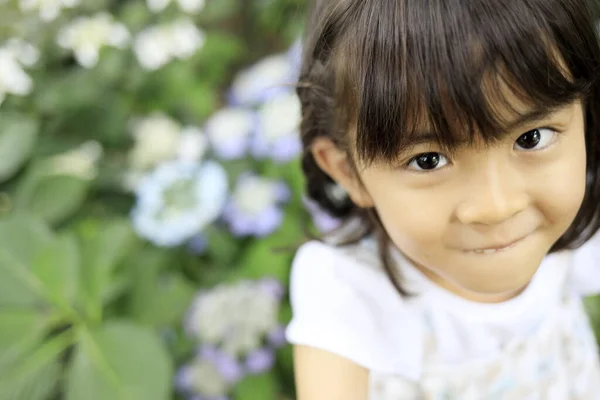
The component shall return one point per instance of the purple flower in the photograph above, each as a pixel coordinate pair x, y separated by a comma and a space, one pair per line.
229, 131
228, 367
323, 221
263, 80
260, 360
197, 244
276, 337
272, 287
277, 134
254, 208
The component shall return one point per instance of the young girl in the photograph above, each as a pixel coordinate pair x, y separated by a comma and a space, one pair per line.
459, 140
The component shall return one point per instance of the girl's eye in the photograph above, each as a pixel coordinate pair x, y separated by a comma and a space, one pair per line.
428, 162
536, 139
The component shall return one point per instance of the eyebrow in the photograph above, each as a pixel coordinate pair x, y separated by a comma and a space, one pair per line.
530, 117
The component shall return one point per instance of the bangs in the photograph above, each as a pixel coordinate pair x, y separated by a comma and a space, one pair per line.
456, 70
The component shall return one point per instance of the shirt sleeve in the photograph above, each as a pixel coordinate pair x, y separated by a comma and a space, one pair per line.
585, 273
332, 313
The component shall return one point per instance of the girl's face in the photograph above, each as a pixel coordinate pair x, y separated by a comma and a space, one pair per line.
478, 222
481, 221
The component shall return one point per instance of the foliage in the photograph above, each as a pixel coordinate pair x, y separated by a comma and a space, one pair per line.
110, 144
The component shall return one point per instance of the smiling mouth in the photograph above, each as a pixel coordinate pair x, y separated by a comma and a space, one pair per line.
496, 249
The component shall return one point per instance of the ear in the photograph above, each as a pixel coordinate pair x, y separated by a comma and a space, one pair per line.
335, 163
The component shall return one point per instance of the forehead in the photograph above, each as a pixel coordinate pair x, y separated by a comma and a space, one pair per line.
458, 83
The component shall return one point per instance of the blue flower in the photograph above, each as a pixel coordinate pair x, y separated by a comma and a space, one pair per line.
277, 134
237, 318
178, 200
254, 208
263, 80
229, 131
209, 376
260, 360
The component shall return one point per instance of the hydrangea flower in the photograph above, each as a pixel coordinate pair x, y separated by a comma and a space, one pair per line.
322, 220
238, 318
158, 45
87, 35
81, 162
254, 207
263, 80
209, 376
277, 133
229, 131
48, 9
159, 138
178, 200
188, 6
14, 55
156, 139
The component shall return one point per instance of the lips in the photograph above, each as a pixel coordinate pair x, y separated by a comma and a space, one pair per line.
496, 248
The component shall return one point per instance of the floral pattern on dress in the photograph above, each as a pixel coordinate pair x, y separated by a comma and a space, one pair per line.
558, 361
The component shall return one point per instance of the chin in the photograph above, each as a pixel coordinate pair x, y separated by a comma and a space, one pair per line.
496, 290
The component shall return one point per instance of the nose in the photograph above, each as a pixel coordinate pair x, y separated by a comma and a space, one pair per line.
496, 193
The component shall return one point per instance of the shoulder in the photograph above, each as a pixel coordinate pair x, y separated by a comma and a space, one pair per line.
343, 303
585, 268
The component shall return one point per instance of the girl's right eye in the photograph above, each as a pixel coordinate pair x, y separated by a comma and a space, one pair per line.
428, 162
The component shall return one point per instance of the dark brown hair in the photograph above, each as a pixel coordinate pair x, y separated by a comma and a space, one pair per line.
382, 66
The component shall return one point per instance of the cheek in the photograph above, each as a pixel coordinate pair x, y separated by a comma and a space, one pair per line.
560, 192
414, 219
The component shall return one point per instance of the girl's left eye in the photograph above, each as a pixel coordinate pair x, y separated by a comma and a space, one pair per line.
536, 139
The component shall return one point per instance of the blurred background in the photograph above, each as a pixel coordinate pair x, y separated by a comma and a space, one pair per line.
150, 198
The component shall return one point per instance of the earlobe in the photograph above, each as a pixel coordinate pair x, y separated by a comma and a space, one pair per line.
335, 163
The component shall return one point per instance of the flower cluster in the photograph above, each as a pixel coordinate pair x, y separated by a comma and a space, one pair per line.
263, 116
189, 6
48, 10
158, 45
85, 36
261, 120
238, 332
14, 56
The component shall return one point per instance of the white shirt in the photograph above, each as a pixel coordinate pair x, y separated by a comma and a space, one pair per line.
538, 345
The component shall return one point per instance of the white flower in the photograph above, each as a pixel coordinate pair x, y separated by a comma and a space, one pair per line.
156, 46
80, 162
261, 81
189, 6
13, 78
48, 9
24, 52
159, 138
178, 200
193, 144
229, 131
280, 116
201, 376
156, 140
235, 317
87, 35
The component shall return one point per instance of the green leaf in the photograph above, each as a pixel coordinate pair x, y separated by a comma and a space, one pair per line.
104, 247
36, 385
119, 361
18, 134
22, 329
57, 267
168, 303
18, 286
258, 387
23, 235
36, 375
219, 10
223, 248
56, 197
